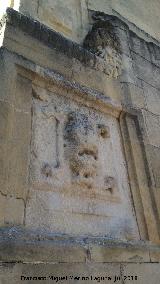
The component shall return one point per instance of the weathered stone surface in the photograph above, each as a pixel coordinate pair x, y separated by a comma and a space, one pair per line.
103, 41
5, 113
140, 184
104, 6
155, 255
42, 251
60, 16
135, 15
140, 46
132, 96
14, 160
152, 124
56, 15
128, 75
8, 83
15, 130
66, 57
47, 36
112, 254
19, 244
29, 8
22, 97
155, 54
154, 159
72, 273
123, 36
96, 80
17, 163
63, 167
47, 169
70, 184
12, 210
139, 13
146, 273
152, 96
146, 71
79, 75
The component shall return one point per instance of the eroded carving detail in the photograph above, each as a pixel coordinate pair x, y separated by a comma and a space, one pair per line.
103, 42
82, 151
103, 131
81, 144
109, 184
47, 170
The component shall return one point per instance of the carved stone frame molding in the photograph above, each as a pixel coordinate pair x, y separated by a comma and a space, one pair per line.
139, 176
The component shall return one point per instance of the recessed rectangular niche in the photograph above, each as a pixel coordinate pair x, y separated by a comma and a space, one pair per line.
78, 175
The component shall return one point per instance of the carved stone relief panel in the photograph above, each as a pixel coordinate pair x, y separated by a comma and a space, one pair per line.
78, 175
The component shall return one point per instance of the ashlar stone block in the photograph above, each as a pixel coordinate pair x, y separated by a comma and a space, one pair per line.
11, 210
152, 125
152, 96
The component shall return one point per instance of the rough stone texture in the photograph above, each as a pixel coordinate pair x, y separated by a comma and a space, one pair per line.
136, 15
140, 46
147, 273
155, 256
79, 151
154, 154
152, 96
68, 18
73, 273
104, 254
133, 96
62, 18
152, 125
72, 17
18, 243
102, 41
104, 6
12, 210
146, 71
52, 39
139, 176
71, 183
15, 129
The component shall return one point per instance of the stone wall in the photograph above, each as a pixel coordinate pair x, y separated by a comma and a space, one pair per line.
79, 142
72, 17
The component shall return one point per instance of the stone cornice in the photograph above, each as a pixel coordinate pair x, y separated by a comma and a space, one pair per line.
55, 40
71, 89
19, 244
49, 37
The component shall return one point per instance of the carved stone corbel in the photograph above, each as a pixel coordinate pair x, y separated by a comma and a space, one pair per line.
103, 42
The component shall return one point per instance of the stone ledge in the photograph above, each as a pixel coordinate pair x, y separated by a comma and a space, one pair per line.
94, 98
72, 89
23, 245
49, 37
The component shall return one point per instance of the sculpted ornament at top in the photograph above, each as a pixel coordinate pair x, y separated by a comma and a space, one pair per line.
103, 42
